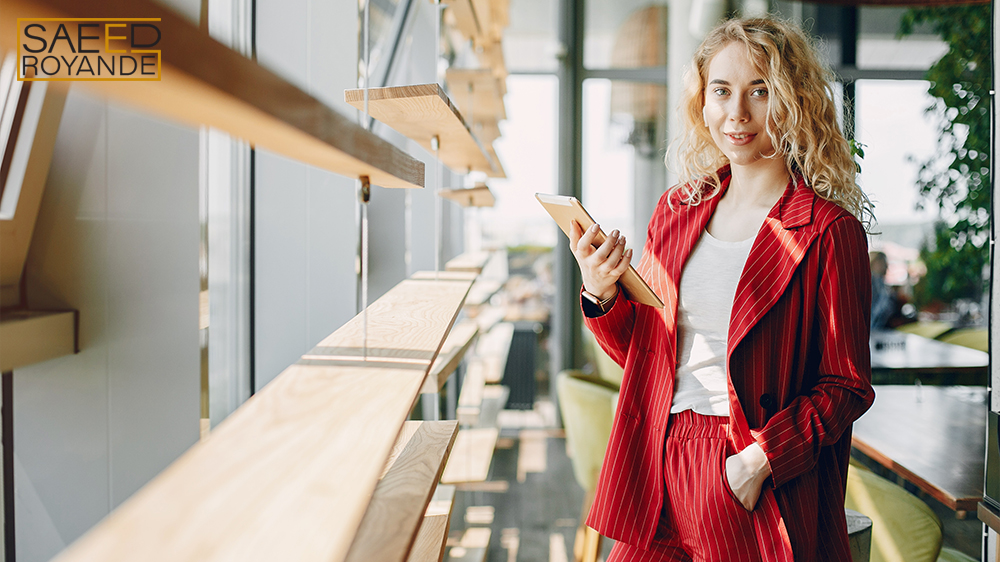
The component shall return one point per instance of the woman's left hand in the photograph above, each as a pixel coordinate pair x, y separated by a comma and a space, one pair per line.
746, 472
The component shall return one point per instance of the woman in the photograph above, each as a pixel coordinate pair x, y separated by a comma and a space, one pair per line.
732, 431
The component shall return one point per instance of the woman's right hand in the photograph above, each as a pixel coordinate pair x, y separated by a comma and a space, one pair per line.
602, 266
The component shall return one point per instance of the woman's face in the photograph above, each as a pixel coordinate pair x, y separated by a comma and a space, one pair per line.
736, 107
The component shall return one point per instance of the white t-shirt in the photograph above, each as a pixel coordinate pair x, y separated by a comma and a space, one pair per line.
707, 290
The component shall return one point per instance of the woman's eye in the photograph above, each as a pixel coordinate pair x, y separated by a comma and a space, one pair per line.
760, 93
720, 91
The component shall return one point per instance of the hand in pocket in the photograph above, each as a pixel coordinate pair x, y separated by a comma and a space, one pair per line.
746, 472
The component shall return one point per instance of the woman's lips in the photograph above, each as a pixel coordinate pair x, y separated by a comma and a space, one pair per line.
740, 139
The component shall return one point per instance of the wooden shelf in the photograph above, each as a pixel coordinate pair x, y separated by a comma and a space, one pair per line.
289, 475
422, 112
458, 343
464, 16
479, 196
433, 534
472, 547
479, 93
401, 499
494, 347
471, 456
31, 337
486, 131
481, 21
482, 290
206, 83
470, 261
445, 276
471, 398
491, 56
498, 171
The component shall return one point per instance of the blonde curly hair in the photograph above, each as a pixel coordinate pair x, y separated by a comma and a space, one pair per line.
802, 117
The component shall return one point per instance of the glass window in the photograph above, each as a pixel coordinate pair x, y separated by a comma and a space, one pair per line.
531, 41
624, 129
528, 152
385, 21
898, 135
625, 34
879, 46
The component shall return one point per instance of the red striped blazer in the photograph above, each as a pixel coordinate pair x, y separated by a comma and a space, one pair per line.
798, 364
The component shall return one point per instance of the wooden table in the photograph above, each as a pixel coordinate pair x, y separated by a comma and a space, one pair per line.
901, 358
932, 436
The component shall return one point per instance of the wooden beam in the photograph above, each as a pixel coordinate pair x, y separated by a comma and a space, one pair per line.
423, 112
433, 534
471, 456
30, 337
289, 475
389, 528
479, 196
458, 343
493, 347
206, 83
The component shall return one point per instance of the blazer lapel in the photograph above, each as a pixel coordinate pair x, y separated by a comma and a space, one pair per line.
776, 253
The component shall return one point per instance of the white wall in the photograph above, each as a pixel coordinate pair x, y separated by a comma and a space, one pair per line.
305, 223
116, 239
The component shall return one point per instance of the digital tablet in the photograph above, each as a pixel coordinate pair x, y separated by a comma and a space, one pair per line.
564, 209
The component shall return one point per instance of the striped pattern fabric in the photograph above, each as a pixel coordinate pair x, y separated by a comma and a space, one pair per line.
798, 364
694, 463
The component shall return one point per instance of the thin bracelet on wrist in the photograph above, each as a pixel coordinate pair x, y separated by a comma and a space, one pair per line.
604, 305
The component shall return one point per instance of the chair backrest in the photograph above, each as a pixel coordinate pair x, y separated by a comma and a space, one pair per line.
973, 338
587, 405
904, 529
606, 367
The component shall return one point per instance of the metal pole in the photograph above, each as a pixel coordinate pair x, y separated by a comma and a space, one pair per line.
566, 315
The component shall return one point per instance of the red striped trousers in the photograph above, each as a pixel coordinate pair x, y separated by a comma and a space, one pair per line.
702, 521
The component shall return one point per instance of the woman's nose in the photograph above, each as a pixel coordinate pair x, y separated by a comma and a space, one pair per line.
738, 111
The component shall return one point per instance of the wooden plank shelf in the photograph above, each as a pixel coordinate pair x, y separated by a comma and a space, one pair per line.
482, 290
289, 475
497, 172
489, 316
203, 82
459, 341
445, 276
478, 196
472, 547
494, 399
462, 16
470, 261
33, 336
433, 534
471, 397
493, 348
486, 131
479, 93
422, 112
471, 456
397, 508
